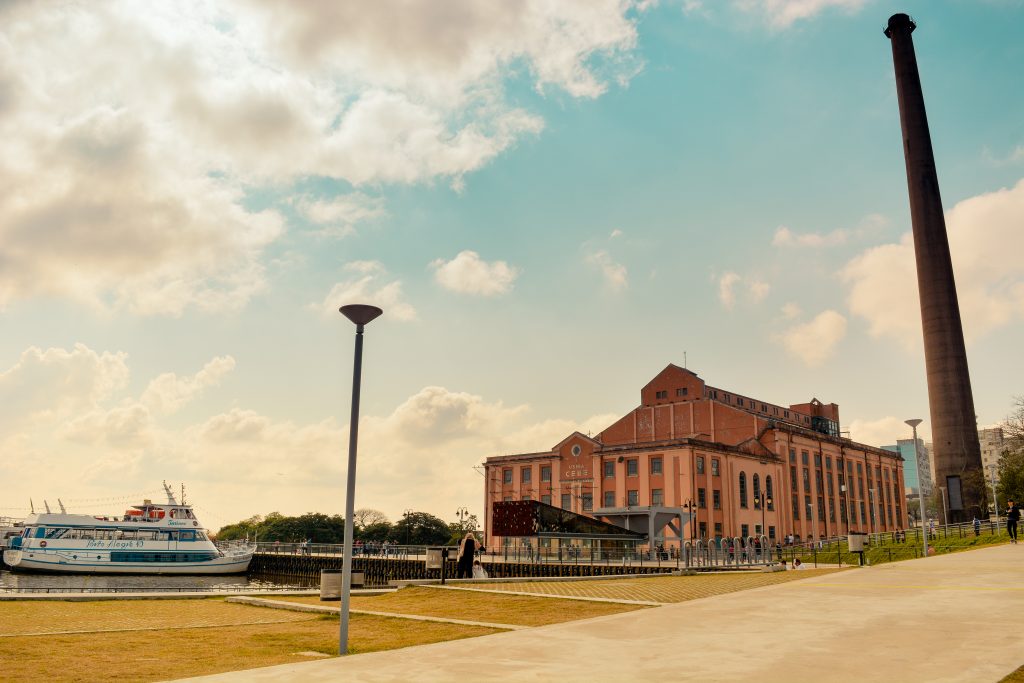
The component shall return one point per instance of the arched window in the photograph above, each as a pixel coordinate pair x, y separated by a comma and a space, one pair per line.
757, 492
769, 494
743, 489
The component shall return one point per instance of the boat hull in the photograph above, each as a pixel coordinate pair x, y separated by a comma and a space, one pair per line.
55, 563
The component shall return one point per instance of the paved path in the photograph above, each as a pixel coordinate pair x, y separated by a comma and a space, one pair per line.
954, 617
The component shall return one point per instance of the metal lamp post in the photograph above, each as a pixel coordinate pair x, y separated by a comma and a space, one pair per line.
995, 501
920, 484
361, 315
763, 500
945, 515
408, 524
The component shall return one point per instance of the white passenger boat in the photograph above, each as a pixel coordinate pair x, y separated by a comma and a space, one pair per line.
149, 539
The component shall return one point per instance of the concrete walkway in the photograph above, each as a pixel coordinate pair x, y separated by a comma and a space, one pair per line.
947, 618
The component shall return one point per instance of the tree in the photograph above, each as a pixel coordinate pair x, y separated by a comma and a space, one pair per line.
459, 529
421, 528
364, 517
1011, 463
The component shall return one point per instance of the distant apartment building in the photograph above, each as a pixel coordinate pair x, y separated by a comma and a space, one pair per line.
916, 471
740, 466
992, 446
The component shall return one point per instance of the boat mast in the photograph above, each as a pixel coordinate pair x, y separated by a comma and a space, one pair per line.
170, 495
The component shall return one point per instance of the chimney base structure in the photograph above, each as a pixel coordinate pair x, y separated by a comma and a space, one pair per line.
951, 402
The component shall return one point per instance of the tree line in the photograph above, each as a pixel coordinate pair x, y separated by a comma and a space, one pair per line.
369, 525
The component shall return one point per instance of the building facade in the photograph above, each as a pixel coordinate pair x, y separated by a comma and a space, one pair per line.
992, 446
917, 472
739, 466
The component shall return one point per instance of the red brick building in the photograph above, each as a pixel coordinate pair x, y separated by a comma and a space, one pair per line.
743, 466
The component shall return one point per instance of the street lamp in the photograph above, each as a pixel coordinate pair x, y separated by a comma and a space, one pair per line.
920, 484
361, 315
995, 501
763, 500
408, 524
945, 516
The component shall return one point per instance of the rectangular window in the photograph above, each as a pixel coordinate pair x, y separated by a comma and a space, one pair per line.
792, 455
771, 532
716, 499
566, 501
506, 476
507, 498
792, 477
681, 392
655, 465
807, 480
831, 509
609, 469
661, 394
632, 467
796, 506
546, 499
807, 507
817, 459
821, 509
700, 464
526, 498
609, 499
657, 497
632, 497
739, 401
527, 474
545, 473
804, 455
702, 498
718, 531
703, 529
757, 530
863, 514
828, 462
842, 512
860, 470
831, 488
818, 481
714, 467
588, 502
744, 530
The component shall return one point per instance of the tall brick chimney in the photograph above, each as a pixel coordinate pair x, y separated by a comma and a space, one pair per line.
953, 421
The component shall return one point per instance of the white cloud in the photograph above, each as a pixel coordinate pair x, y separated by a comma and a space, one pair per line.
985, 242
338, 216
884, 431
784, 237
615, 274
615, 233
726, 294
150, 127
781, 14
168, 392
815, 341
370, 287
790, 311
758, 290
467, 273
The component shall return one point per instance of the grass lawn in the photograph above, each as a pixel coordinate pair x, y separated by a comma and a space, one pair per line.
518, 610
1016, 677
666, 589
197, 637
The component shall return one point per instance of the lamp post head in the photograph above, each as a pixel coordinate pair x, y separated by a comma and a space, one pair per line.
913, 423
360, 314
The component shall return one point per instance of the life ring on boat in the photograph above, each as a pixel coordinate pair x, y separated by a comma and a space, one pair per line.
42, 544
195, 523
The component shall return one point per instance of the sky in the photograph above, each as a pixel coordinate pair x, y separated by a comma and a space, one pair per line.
551, 201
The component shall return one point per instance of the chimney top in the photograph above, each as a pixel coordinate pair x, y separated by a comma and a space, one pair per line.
898, 21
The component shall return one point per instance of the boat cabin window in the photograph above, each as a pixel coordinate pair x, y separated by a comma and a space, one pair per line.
51, 532
148, 535
125, 535
187, 535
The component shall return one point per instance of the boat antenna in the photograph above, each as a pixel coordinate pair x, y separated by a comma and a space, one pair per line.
47, 505
170, 494
62, 510
183, 493
32, 506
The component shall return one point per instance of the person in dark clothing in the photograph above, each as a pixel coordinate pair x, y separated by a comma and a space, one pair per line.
467, 553
1012, 517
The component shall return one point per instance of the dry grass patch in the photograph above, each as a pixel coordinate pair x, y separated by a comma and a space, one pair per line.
661, 588
20, 618
183, 652
518, 610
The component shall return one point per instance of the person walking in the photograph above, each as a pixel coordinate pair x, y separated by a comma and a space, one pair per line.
1012, 517
467, 553
977, 527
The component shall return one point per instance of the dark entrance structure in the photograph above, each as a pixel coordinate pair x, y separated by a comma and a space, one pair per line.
534, 531
951, 402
